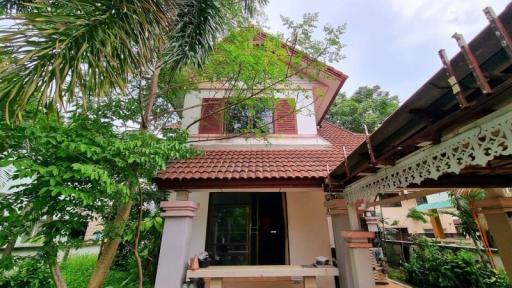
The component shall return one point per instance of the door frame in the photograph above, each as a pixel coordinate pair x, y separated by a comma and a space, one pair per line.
251, 206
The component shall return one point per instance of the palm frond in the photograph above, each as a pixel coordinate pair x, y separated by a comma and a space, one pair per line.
199, 22
14, 6
251, 6
62, 49
85, 46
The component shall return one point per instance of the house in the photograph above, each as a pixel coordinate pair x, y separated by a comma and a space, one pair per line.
250, 201
399, 227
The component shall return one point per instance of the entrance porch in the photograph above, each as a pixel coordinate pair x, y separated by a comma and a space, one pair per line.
241, 229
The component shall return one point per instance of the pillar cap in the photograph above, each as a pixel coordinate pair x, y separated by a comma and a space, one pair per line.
351, 234
175, 208
357, 239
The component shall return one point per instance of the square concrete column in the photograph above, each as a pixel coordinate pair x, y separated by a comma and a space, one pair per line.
497, 208
172, 262
359, 249
352, 246
337, 209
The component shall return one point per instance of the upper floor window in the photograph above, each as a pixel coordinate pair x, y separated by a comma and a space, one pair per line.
261, 115
250, 117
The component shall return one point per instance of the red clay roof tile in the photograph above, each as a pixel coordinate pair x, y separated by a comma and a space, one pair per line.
267, 163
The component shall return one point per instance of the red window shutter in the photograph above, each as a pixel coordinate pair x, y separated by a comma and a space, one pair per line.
211, 122
285, 117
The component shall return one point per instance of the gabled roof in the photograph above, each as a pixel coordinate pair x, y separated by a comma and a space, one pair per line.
257, 166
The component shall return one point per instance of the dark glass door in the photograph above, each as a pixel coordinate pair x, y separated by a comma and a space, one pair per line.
246, 229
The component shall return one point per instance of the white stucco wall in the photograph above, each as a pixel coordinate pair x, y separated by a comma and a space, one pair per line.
308, 233
306, 123
308, 230
199, 223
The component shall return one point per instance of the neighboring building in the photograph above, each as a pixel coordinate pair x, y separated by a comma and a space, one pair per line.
261, 200
400, 227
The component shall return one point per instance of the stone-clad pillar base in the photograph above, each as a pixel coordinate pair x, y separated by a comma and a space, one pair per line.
172, 262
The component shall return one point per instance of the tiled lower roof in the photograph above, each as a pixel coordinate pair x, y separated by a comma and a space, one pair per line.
266, 162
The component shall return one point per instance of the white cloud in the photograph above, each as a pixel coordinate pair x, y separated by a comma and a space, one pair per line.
420, 21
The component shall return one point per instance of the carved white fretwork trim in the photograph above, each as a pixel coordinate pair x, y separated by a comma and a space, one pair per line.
475, 144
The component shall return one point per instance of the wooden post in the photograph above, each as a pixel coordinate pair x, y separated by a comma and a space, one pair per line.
437, 227
216, 283
309, 282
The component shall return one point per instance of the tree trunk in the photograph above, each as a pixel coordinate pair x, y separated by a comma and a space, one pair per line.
138, 261
57, 275
110, 247
8, 249
150, 101
66, 254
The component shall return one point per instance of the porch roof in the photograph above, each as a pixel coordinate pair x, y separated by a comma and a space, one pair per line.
433, 113
261, 166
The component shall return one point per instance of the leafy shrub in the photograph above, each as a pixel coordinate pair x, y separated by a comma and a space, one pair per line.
432, 266
396, 274
29, 272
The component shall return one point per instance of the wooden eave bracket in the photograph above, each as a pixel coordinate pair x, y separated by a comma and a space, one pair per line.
454, 84
472, 64
500, 31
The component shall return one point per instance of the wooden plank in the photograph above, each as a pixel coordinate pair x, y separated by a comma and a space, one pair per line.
216, 283
309, 282
261, 271
358, 245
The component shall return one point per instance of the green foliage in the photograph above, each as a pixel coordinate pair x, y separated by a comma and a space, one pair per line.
417, 215
368, 105
149, 244
79, 167
461, 200
253, 66
64, 48
396, 274
432, 266
77, 270
30, 272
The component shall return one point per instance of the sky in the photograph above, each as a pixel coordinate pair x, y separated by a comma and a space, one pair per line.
391, 43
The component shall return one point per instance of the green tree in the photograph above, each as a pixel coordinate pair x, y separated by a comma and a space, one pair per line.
368, 106
81, 168
115, 58
74, 52
462, 200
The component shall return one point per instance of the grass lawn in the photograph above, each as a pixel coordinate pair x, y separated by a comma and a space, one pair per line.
78, 269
